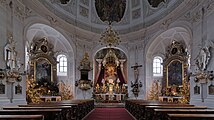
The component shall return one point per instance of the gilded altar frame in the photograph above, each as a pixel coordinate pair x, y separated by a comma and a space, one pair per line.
175, 70
42, 60
175, 77
46, 67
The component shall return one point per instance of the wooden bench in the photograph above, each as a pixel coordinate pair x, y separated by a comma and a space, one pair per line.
65, 113
141, 113
78, 108
21, 117
162, 114
133, 106
149, 110
190, 117
49, 114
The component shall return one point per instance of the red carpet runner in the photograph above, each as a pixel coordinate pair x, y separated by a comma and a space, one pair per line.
109, 114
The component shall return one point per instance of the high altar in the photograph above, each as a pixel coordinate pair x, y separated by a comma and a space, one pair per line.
111, 81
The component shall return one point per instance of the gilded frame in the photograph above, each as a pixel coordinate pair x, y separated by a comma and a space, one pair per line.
175, 74
39, 65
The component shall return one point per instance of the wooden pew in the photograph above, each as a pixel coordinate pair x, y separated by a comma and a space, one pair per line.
142, 107
21, 117
162, 114
78, 108
65, 111
49, 114
149, 110
137, 107
190, 117
133, 106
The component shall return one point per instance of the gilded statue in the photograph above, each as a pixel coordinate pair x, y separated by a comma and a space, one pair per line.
117, 88
104, 88
97, 88
123, 89
85, 63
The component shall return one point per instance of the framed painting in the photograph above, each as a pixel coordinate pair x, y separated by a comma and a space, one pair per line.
43, 70
174, 73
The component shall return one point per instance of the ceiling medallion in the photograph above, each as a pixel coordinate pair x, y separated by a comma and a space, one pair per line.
110, 37
155, 3
110, 10
64, 1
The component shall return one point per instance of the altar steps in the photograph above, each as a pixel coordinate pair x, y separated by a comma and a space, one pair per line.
109, 105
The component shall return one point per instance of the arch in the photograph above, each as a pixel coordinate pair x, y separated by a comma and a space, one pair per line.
37, 27
165, 38
157, 47
66, 39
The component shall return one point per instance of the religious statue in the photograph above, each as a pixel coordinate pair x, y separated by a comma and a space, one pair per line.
123, 89
135, 86
104, 88
10, 53
85, 63
97, 88
203, 58
136, 71
117, 88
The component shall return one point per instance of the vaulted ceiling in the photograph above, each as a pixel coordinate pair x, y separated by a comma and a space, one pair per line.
138, 14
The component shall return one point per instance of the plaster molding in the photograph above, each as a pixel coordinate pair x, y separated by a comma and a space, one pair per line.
53, 21
165, 24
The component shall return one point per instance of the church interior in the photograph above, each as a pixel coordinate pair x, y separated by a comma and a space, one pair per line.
106, 59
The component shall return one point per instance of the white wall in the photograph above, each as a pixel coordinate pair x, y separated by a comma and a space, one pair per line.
198, 42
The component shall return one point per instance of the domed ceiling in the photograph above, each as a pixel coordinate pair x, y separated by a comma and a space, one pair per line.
125, 15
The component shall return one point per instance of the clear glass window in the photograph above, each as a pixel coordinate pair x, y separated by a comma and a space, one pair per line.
157, 66
62, 65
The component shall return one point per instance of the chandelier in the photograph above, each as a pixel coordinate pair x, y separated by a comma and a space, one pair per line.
110, 37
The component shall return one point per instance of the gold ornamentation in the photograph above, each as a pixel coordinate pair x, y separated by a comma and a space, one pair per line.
33, 94
66, 93
175, 81
84, 83
110, 37
154, 92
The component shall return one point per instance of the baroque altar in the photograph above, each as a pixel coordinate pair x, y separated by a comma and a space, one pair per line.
175, 84
111, 81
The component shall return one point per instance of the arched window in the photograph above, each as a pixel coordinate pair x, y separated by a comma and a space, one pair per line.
157, 67
62, 65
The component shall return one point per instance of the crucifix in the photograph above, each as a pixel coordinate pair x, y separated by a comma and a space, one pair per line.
135, 86
136, 71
